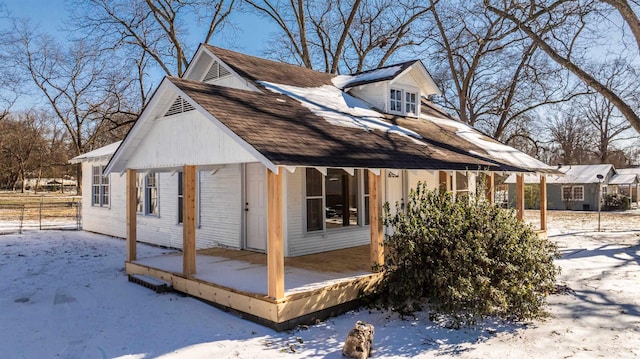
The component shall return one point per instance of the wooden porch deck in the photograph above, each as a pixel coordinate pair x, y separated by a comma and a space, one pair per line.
348, 260
316, 285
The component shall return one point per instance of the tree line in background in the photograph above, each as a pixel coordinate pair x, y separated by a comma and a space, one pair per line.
554, 78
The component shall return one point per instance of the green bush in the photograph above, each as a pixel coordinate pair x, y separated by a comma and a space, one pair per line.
467, 259
614, 202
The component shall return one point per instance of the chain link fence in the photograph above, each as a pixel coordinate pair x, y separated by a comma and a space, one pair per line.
64, 213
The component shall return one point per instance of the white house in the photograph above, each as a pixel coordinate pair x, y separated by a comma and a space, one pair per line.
256, 155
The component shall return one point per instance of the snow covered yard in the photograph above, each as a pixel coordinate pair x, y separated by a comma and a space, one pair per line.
64, 294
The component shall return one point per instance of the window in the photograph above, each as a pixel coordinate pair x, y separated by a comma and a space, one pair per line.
573, 193
139, 190
99, 187
404, 102
180, 197
366, 197
410, 103
314, 200
396, 101
151, 194
333, 201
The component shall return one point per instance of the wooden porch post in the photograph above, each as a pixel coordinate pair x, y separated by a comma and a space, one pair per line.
275, 239
375, 219
543, 202
490, 188
443, 181
131, 215
189, 220
520, 196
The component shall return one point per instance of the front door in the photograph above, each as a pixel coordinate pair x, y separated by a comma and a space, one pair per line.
255, 207
395, 190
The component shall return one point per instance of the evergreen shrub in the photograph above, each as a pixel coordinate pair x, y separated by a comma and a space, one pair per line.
466, 258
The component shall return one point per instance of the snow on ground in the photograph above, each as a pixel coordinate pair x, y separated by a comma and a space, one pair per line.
64, 294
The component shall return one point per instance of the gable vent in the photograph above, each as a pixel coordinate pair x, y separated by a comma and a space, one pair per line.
216, 71
179, 106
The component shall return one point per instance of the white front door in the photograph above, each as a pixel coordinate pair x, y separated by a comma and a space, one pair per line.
255, 207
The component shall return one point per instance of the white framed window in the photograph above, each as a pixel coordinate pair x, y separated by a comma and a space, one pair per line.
395, 104
365, 175
99, 187
573, 193
334, 201
151, 194
404, 101
410, 103
180, 199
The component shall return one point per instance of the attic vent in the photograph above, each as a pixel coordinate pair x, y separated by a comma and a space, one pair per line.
179, 106
216, 71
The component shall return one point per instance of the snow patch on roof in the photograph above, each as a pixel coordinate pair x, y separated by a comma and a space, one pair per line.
342, 81
341, 109
572, 174
102, 152
493, 148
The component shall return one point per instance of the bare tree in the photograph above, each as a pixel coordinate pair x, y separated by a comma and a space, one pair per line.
493, 77
21, 140
559, 27
605, 121
154, 30
82, 92
570, 138
339, 35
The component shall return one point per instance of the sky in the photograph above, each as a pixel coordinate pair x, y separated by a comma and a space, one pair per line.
253, 31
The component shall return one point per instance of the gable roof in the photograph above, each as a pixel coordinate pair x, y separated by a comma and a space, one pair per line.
289, 134
255, 69
293, 116
371, 76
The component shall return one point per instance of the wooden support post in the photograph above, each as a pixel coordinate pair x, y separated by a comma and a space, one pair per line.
443, 181
490, 188
189, 220
131, 215
375, 220
543, 202
520, 196
275, 237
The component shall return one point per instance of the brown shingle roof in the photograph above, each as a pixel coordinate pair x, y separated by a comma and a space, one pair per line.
287, 133
257, 69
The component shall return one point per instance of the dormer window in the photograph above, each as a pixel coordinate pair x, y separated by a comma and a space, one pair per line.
404, 102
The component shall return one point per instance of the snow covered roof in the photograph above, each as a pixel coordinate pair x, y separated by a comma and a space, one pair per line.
102, 153
573, 174
294, 116
376, 75
624, 178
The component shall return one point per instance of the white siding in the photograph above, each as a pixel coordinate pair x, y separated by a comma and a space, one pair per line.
374, 94
299, 241
190, 135
232, 81
219, 204
415, 176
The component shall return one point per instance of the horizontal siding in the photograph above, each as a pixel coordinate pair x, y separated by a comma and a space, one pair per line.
374, 94
220, 210
299, 241
190, 136
428, 177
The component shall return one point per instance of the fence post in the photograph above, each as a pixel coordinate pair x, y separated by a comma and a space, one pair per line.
21, 219
40, 214
77, 204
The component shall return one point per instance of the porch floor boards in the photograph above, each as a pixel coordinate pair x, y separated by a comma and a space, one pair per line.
245, 271
348, 260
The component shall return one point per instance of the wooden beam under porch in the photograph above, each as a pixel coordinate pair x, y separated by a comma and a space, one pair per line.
237, 280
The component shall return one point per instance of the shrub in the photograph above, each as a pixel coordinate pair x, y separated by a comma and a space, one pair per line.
617, 202
468, 259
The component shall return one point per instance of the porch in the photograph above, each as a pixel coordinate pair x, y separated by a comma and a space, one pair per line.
315, 286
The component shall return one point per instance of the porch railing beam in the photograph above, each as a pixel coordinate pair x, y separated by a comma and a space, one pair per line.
189, 220
375, 220
275, 237
131, 215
